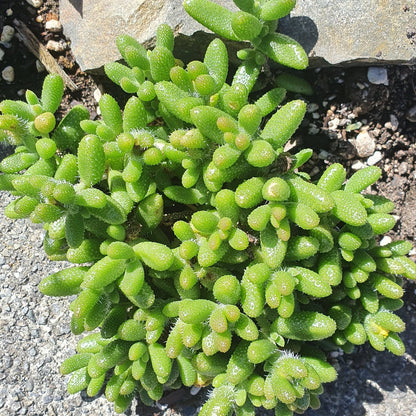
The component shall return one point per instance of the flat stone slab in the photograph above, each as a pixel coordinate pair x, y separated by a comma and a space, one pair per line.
333, 32
338, 32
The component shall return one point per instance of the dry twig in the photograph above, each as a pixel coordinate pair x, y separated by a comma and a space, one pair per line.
49, 62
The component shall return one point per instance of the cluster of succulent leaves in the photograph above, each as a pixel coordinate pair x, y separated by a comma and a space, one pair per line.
203, 256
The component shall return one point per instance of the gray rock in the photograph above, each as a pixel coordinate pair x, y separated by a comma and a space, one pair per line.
347, 32
377, 75
332, 32
90, 24
411, 114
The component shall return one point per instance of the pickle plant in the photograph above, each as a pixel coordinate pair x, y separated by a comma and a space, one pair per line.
202, 254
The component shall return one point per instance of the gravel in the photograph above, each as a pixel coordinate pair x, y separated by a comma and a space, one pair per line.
35, 336
35, 339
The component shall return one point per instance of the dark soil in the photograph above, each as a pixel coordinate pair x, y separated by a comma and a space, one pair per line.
343, 97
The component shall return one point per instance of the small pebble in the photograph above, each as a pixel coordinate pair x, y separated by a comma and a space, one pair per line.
7, 33
53, 25
1, 54
9, 12
323, 154
161, 406
403, 168
7, 362
394, 122
97, 94
333, 124
378, 75
375, 158
29, 385
32, 352
313, 129
47, 399
8, 74
357, 165
410, 114
195, 390
364, 144
39, 66
35, 3
312, 107
385, 240
56, 46
314, 171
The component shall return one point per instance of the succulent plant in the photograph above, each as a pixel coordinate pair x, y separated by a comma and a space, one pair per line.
202, 254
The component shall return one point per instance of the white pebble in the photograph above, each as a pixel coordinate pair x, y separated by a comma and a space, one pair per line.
333, 124
7, 34
35, 3
39, 66
357, 165
9, 12
364, 144
56, 46
53, 25
378, 75
8, 74
403, 168
97, 95
375, 158
385, 240
1, 54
